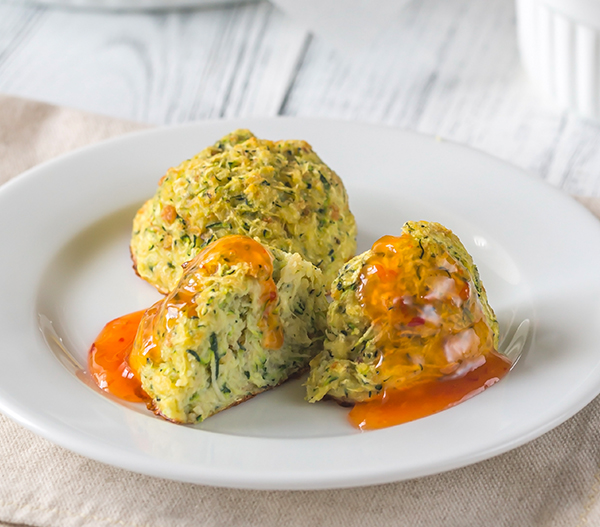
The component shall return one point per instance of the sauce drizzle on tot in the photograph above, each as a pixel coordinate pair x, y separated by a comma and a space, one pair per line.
435, 346
117, 354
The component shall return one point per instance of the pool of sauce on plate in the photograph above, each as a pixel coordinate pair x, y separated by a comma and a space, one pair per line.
126, 343
435, 346
108, 356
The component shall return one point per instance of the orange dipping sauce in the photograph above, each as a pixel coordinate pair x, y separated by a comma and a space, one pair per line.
108, 356
395, 407
436, 347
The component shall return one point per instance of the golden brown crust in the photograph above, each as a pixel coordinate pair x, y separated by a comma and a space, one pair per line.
135, 270
342, 401
151, 405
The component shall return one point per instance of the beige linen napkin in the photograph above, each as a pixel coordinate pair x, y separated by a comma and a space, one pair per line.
552, 481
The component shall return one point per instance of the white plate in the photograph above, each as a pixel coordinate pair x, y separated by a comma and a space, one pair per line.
66, 272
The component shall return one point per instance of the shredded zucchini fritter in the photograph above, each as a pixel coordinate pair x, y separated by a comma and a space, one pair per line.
432, 311
278, 192
209, 344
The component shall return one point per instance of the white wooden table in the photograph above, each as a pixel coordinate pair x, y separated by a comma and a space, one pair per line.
445, 67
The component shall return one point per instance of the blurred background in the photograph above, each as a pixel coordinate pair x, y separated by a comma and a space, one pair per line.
450, 68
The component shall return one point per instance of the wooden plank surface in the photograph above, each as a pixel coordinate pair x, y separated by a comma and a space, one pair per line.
447, 68
157, 68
